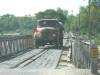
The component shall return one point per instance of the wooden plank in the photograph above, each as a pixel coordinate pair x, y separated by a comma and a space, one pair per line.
13, 44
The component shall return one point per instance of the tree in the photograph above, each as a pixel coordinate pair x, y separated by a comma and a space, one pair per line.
62, 15
8, 23
53, 14
47, 14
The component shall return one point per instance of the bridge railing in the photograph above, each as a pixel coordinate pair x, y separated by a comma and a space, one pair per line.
11, 45
81, 53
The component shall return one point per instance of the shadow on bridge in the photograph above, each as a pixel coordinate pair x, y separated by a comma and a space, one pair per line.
11, 56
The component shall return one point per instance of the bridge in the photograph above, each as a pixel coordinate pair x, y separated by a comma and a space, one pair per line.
18, 55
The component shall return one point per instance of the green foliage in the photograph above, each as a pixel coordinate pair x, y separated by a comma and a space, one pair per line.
88, 24
24, 24
72, 22
60, 14
10, 23
84, 20
48, 14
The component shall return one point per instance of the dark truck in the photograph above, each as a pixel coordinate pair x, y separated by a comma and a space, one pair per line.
48, 31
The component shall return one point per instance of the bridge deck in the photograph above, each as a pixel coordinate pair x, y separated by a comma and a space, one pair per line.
53, 54
65, 71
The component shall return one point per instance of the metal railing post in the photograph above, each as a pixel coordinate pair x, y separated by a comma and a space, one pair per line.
94, 58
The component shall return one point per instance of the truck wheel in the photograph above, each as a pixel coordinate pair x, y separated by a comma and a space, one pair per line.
57, 44
36, 43
61, 42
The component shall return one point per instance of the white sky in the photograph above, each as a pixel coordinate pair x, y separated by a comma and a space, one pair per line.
23, 7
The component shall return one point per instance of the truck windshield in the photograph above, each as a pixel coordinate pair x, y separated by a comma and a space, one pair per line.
48, 23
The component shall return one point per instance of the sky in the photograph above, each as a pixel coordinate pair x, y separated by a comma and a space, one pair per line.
30, 7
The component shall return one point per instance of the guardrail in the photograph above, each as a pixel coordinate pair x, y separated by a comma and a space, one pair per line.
85, 54
81, 53
13, 44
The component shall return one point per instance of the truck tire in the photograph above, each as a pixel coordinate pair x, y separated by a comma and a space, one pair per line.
61, 42
36, 43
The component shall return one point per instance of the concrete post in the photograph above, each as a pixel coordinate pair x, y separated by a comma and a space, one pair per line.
94, 58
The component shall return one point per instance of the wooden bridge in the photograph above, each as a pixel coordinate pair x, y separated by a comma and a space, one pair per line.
18, 52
